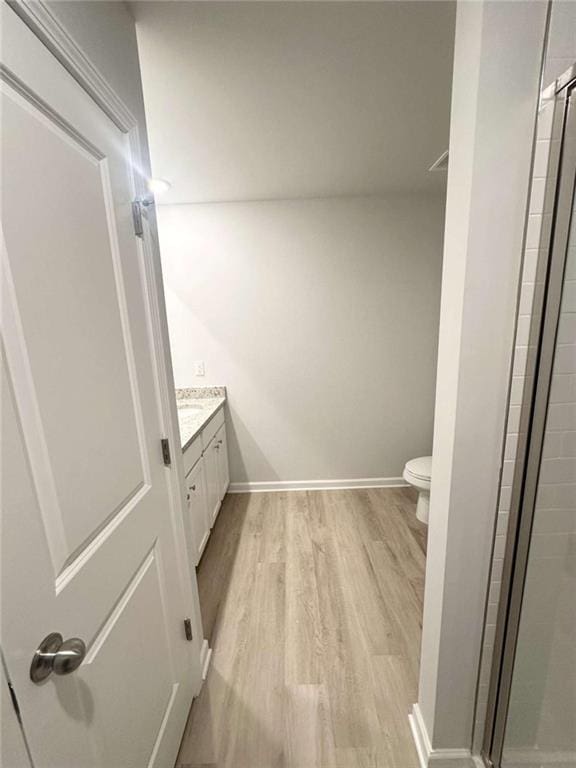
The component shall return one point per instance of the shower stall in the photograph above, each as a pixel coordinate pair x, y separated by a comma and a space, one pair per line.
531, 711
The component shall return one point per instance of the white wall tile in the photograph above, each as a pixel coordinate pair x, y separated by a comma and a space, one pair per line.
541, 155
567, 328
563, 388
555, 521
505, 496
568, 444
569, 296
552, 445
511, 445
537, 195
565, 361
516, 390
508, 472
558, 470
502, 523
562, 417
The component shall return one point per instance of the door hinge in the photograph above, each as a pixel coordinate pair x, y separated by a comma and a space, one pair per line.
166, 451
188, 629
139, 207
14, 702
137, 218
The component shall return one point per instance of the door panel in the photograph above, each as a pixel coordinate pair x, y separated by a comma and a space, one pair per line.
89, 546
105, 670
71, 277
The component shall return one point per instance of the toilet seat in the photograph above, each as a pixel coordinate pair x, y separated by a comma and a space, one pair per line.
420, 468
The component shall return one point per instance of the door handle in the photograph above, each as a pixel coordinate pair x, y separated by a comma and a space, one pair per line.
56, 655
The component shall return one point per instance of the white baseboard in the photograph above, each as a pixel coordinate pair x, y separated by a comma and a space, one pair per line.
317, 485
205, 656
206, 664
436, 758
420, 735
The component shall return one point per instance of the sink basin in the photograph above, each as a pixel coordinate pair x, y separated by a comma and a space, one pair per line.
191, 407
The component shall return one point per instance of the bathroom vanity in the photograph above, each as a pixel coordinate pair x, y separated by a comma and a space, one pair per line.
205, 452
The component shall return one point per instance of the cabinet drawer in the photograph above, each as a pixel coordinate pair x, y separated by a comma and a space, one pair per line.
192, 454
212, 427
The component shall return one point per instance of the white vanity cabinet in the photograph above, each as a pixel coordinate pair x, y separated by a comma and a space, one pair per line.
207, 480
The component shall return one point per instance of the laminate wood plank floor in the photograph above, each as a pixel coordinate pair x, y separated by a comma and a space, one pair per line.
312, 603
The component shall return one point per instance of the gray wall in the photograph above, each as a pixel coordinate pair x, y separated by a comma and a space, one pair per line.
321, 317
497, 61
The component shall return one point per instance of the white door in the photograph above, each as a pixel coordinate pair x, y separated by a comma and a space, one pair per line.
197, 509
12, 747
89, 544
223, 468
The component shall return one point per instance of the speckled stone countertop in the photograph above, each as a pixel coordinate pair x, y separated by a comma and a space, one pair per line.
196, 406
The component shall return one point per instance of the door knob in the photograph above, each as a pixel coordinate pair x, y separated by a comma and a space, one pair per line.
56, 655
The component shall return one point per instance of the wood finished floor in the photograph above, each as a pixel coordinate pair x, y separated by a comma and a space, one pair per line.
312, 603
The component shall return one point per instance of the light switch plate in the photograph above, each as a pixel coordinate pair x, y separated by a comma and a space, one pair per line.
199, 368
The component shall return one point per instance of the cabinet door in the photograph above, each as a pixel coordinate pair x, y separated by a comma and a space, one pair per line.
198, 509
223, 469
212, 478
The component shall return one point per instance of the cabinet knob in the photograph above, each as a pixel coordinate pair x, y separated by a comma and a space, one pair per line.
192, 488
187, 497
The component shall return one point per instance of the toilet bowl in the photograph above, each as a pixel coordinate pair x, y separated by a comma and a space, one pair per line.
417, 473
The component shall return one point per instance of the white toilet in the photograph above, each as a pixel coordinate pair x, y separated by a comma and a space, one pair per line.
418, 472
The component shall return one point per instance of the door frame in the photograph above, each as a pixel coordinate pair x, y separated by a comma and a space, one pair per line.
37, 15
533, 415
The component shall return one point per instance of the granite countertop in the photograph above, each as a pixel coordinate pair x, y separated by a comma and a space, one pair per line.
196, 406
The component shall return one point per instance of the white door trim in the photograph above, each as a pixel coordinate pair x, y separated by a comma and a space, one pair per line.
38, 16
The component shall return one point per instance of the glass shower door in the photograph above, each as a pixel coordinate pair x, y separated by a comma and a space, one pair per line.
539, 716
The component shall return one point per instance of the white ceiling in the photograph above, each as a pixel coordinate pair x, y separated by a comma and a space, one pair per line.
265, 100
